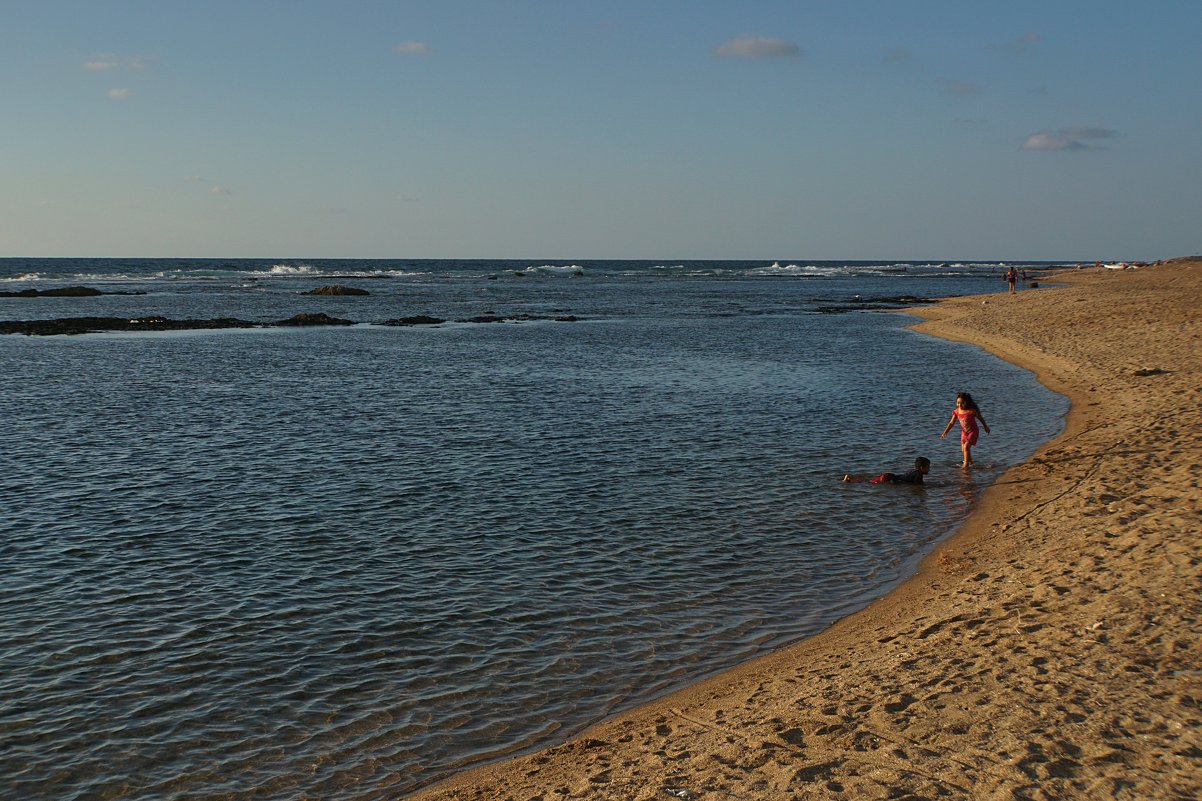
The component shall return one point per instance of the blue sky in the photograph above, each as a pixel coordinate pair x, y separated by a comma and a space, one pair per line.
759, 129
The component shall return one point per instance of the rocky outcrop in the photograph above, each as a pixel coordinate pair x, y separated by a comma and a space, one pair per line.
89, 325
336, 289
517, 318
419, 319
63, 292
883, 304
314, 319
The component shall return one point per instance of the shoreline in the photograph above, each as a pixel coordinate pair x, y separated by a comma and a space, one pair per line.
1049, 648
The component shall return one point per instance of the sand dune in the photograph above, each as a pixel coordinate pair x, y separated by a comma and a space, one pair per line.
1050, 649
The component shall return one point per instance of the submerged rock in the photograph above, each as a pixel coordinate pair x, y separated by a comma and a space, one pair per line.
419, 319
878, 303
63, 292
90, 325
307, 319
336, 289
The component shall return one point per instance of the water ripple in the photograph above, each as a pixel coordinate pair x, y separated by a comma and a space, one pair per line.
311, 565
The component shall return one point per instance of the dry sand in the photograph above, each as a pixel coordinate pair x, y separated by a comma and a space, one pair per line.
1050, 649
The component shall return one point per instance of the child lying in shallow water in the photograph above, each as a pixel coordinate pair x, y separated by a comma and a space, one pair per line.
922, 466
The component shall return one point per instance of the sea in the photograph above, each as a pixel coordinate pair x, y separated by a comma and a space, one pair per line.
343, 563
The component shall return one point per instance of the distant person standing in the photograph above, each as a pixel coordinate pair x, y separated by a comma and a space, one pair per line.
1011, 278
967, 413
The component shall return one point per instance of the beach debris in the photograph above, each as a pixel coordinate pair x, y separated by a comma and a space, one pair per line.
1145, 371
680, 792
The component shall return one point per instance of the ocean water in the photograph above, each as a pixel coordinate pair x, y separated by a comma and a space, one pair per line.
342, 563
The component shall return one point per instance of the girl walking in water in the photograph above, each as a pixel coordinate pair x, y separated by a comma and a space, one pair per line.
968, 414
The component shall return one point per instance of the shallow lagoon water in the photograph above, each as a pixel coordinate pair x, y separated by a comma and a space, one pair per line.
341, 563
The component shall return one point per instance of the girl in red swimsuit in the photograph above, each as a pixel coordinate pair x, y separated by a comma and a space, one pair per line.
968, 414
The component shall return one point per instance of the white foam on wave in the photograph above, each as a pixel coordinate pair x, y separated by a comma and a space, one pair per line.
292, 269
306, 270
802, 270
555, 269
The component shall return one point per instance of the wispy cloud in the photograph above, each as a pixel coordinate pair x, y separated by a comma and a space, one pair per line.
962, 89
119, 94
101, 63
413, 49
748, 46
1025, 42
214, 188
107, 62
1068, 139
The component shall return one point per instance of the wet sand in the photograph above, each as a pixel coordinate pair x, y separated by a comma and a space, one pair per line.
1051, 649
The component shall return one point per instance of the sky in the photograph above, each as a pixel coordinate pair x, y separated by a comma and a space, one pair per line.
783, 130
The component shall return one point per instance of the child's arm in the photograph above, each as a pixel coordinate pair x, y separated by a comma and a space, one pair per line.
981, 417
950, 423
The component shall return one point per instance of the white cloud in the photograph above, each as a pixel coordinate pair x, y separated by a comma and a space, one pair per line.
218, 189
105, 62
748, 46
1067, 139
413, 49
119, 94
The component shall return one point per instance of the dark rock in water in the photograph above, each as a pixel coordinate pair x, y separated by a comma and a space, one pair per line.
516, 318
336, 289
420, 319
314, 319
485, 318
63, 292
88, 325
876, 303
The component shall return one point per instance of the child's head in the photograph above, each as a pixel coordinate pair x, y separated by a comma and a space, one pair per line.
922, 464
965, 400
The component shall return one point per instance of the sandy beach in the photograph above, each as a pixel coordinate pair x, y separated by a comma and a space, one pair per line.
1049, 650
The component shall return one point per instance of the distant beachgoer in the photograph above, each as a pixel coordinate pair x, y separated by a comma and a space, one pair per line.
968, 413
922, 466
1011, 278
